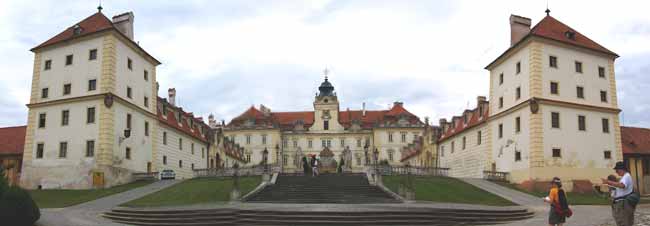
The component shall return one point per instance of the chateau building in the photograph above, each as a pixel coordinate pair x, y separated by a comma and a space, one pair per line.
553, 111
94, 116
327, 131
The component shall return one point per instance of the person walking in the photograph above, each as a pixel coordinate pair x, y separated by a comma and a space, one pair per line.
625, 200
314, 166
558, 202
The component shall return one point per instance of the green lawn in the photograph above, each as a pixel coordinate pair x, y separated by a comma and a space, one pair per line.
57, 198
574, 198
445, 189
196, 191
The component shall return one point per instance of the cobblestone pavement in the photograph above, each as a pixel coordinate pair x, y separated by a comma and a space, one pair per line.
89, 213
641, 217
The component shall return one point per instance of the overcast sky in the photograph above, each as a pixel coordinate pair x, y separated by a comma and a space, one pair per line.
224, 56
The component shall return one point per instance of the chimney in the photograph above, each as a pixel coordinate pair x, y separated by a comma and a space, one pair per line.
443, 123
519, 28
172, 96
124, 24
397, 103
363, 109
480, 99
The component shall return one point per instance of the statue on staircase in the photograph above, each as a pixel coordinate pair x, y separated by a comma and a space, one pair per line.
346, 157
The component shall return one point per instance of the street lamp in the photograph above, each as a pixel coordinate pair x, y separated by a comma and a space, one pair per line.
265, 155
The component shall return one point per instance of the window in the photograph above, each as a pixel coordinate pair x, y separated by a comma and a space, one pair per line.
310, 143
146, 102
295, 143
603, 96
146, 75
552, 61
65, 117
464, 142
128, 153
248, 139
517, 156
605, 125
358, 142
202, 153
478, 137
129, 94
180, 143
500, 131
129, 63
390, 137
92, 54
67, 89
92, 84
501, 79
90, 115
146, 128
557, 153
442, 151
518, 68
403, 137
518, 93
554, 88
342, 142
192, 148
608, 155
164, 160
264, 139
63, 149
165, 138
180, 163
192, 165
580, 92
500, 102
390, 156
326, 125
39, 150
48, 65
581, 123
555, 120
329, 143
68, 60
41, 120
285, 159
518, 124
248, 157
453, 146
90, 148
578, 66
44, 92
128, 121
324, 143
601, 72
367, 141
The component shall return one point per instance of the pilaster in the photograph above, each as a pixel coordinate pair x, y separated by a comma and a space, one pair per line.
106, 113
535, 65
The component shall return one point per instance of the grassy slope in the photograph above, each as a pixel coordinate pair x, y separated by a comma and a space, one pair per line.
195, 191
574, 198
445, 189
57, 198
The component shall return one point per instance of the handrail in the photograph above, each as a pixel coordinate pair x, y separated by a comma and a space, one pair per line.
412, 170
496, 175
241, 171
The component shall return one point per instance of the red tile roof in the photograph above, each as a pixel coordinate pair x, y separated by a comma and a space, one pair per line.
12, 140
457, 124
551, 28
635, 140
171, 121
287, 120
95, 23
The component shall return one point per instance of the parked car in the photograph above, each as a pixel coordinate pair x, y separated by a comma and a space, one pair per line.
167, 174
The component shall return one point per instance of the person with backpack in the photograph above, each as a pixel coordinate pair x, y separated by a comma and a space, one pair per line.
559, 204
625, 199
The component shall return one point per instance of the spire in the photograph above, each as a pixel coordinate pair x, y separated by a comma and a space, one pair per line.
99, 8
548, 12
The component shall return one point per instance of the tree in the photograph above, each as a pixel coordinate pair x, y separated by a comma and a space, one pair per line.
16, 205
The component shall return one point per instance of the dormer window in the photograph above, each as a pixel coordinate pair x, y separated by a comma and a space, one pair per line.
570, 35
465, 119
76, 30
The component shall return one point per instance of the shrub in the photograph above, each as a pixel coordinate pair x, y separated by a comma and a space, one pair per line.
16, 205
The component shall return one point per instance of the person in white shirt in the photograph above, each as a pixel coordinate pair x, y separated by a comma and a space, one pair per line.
622, 210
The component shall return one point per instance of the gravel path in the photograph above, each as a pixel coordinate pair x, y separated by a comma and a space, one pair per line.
89, 213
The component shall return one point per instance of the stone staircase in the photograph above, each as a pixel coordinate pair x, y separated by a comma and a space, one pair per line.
335, 216
326, 188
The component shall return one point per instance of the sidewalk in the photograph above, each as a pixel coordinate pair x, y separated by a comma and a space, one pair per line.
88, 213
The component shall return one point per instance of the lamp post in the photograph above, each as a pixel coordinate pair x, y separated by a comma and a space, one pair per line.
277, 156
365, 153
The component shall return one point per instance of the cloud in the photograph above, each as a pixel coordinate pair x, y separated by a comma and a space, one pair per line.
223, 56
